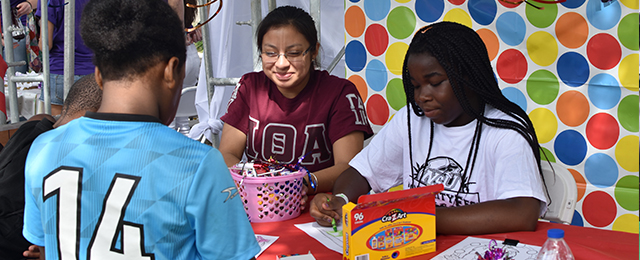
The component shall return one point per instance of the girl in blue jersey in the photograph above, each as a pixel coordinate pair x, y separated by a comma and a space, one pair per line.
119, 183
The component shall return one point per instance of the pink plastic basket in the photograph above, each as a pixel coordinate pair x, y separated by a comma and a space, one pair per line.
269, 199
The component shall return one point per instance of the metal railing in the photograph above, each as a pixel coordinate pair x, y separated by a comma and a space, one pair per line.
9, 59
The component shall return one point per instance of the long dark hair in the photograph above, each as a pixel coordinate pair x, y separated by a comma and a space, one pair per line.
463, 55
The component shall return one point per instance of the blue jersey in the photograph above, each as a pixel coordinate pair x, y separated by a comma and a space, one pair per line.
112, 186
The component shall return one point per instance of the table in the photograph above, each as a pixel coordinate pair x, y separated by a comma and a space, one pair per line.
585, 243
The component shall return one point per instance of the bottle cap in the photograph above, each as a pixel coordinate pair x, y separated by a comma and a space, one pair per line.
555, 233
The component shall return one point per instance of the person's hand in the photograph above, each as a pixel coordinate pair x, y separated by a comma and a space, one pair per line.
194, 36
23, 8
32, 253
303, 201
324, 210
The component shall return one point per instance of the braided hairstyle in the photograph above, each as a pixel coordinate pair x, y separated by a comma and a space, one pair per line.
463, 55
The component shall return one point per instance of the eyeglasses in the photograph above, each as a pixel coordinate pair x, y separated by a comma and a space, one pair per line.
205, 22
291, 56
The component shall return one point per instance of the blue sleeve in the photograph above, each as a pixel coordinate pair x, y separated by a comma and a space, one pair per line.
217, 215
32, 229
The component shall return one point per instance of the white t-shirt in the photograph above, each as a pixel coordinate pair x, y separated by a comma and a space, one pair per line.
505, 166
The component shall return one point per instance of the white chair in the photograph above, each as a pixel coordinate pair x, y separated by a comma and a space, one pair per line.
563, 192
186, 109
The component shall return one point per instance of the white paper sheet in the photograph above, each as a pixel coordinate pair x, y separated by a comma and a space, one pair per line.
467, 248
265, 241
324, 235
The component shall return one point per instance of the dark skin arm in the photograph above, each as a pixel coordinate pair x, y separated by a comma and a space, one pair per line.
499, 216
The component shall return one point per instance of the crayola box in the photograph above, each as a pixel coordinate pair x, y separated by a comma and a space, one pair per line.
390, 225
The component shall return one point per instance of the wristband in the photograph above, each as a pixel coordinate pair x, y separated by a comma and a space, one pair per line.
314, 182
343, 196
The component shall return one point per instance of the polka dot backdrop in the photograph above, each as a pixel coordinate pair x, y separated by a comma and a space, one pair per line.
572, 66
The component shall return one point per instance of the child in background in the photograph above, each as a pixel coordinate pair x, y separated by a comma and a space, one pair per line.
120, 184
461, 132
290, 110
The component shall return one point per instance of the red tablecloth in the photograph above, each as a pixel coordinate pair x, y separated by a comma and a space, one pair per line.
585, 243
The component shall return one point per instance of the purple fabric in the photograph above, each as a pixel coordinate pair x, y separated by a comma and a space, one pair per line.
83, 55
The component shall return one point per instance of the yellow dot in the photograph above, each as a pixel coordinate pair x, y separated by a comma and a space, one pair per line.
542, 48
403, 1
627, 153
626, 223
545, 123
628, 72
631, 4
395, 56
459, 16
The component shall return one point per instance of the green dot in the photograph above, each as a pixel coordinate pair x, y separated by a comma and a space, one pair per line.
395, 94
543, 87
628, 31
626, 192
401, 22
549, 154
542, 18
628, 113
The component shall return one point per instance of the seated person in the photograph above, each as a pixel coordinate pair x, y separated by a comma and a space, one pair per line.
290, 110
119, 183
461, 132
84, 95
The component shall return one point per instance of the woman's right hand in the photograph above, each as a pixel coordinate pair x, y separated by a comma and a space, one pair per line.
325, 207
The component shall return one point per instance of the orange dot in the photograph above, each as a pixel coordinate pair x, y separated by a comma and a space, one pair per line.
491, 41
361, 85
572, 108
572, 30
580, 182
354, 21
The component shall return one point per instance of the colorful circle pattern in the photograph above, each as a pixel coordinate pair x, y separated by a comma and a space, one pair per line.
572, 66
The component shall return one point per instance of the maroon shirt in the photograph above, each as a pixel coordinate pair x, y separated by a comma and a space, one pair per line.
327, 109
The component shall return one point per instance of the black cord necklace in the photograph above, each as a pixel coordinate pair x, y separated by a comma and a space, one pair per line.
471, 158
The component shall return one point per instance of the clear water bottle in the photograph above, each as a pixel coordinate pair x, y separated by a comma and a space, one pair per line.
555, 248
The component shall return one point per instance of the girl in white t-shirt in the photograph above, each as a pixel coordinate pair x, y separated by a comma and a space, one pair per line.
461, 132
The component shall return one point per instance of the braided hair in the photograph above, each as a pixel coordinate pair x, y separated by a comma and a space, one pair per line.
463, 55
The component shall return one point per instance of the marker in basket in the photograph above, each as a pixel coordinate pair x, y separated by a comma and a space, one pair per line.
333, 220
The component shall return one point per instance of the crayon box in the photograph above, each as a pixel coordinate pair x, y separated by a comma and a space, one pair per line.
390, 225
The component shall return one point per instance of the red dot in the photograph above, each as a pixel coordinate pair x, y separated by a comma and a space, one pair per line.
603, 131
456, 2
604, 51
377, 109
509, 4
599, 209
376, 39
511, 66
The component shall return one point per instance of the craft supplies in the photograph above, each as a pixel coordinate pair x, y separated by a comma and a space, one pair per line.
391, 225
270, 191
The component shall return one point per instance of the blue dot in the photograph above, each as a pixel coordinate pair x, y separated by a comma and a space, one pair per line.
377, 10
604, 91
601, 170
429, 10
511, 28
577, 219
516, 96
603, 16
355, 56
573, 69
354, 1
376, 75
572, 4
483, 11
570, 147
